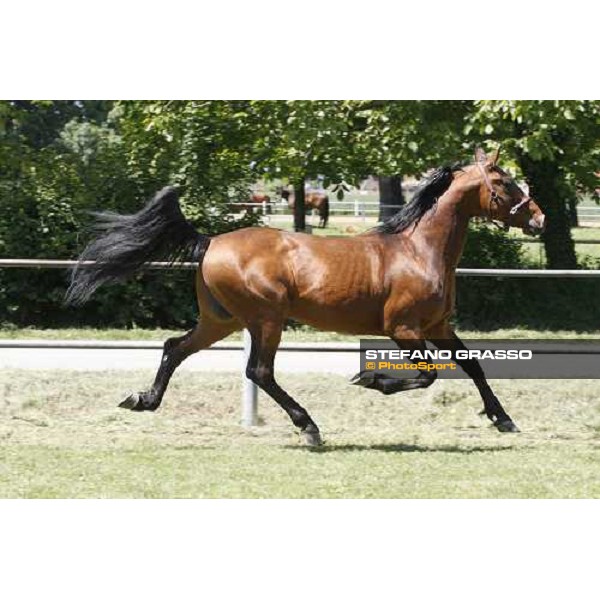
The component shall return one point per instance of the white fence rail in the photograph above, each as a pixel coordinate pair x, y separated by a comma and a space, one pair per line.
67, 264
249, 389
362, 208
41, 263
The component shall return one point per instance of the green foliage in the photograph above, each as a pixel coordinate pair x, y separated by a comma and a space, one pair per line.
348, 140
410, 137
565, 132
562, 133
490, 248
297, 139
555, 145
58, 163
488, 303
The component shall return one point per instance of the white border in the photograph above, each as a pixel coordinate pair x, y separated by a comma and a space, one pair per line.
297, 549
317, 49
275, 549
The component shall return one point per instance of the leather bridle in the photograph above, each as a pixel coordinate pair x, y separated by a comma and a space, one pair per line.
495, 198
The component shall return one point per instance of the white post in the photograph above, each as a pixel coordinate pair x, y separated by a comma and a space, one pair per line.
249, 388
356, 209
265, 214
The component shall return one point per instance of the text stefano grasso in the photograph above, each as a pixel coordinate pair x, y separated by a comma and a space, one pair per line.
498, 354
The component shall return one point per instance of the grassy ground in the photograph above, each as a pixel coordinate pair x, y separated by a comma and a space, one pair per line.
61, 435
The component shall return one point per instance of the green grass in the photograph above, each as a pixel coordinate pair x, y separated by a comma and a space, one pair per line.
338, 224
61, 435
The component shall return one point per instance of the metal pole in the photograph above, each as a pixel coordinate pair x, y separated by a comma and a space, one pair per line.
249, 389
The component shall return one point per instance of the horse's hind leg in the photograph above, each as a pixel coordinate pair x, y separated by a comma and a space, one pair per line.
175, 351
260, 369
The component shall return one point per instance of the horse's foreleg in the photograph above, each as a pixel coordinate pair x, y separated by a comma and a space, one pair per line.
322, 220
175, 351
491, 405
260, 369
386, 384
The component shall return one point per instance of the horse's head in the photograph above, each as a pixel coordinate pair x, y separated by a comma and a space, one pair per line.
501, 199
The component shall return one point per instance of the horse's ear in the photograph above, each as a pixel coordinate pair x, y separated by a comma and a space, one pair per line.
480, 155
494, 157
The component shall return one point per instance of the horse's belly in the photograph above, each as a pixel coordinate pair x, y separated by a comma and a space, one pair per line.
341, 318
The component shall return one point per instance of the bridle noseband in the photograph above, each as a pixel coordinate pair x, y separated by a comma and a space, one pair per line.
495, 198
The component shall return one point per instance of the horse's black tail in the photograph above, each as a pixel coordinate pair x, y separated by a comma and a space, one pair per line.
325, 211
158, 232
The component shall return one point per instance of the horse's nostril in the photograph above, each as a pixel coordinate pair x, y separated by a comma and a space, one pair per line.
537, 224
540, 224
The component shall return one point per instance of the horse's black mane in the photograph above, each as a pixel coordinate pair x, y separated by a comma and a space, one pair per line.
424, 199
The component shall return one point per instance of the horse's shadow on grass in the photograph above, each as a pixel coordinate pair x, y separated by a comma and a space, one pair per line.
400, 448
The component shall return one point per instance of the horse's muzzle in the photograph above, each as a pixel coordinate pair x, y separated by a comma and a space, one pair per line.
536, 225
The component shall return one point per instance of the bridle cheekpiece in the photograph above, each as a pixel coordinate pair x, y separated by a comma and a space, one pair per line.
496, 199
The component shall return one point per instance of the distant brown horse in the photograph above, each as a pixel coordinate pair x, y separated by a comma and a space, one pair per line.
313, 200
254, 202
397, 280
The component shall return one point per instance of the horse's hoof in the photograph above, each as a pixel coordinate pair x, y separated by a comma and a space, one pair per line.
132, 402
312, 438
364, 379
506, 426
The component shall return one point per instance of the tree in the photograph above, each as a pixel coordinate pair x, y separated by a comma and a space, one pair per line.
555, 145
406, 137
298, 140
409, 137
391, 197
203, 146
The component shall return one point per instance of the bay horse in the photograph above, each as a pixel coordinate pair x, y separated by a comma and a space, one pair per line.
313, 200
396, 280
254, 202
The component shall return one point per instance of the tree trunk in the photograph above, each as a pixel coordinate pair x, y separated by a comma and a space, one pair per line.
546, 189
573, 218
390, 196
299, 206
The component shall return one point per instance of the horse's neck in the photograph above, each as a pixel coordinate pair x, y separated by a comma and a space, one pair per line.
443, 232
